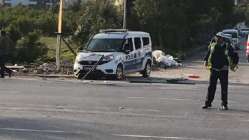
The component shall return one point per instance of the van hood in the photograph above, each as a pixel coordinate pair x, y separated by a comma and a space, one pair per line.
95, 56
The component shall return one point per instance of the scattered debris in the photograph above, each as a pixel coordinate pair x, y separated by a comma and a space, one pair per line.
122, 108
45, 68
164, 61
15, 67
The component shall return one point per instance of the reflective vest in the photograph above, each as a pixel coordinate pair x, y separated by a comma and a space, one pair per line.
212, 48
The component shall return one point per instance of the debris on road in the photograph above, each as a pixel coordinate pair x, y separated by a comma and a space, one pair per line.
15, 67
164, 61
193, 76
46, 67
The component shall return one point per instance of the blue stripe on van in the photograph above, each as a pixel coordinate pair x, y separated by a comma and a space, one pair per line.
136, 63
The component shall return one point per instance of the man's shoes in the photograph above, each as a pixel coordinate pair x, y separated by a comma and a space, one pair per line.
223, 107
206, 106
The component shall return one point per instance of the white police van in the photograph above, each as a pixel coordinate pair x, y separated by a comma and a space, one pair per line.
115, 52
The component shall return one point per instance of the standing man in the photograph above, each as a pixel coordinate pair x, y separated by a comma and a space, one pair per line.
218, 61
5, 47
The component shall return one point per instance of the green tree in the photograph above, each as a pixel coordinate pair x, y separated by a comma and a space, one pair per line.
96, 15
179, 25
29, 49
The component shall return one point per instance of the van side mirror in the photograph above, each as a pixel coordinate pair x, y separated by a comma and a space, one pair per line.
127, 51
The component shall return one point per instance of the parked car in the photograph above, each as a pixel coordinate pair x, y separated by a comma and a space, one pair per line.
235, 37
229, 39
247, 49
244, 32
115, 52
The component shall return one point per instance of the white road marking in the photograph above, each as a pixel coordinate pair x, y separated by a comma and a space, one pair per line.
159, 137
169, 99
177, 99
78, 133
133, 114
34, 130
64, 110
136, 97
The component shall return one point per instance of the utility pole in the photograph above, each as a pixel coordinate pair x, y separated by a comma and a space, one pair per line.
125, 15
59, 33
235, 2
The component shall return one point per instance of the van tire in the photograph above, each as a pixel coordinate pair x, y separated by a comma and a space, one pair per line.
147, 70
79, 76
119, 72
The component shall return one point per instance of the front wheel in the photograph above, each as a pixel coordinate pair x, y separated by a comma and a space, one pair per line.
79, 75
119, 73
147, 70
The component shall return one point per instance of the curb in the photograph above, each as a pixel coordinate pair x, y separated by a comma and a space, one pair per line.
47, 76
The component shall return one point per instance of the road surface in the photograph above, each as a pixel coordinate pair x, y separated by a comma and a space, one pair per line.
50, 109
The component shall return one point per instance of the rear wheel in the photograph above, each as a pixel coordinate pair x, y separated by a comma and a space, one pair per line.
248, 58
119, 73
147, 70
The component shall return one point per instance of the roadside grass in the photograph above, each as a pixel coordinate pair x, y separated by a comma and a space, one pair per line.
51, 43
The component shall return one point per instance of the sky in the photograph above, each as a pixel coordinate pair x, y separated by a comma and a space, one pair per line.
26, 2
16, 2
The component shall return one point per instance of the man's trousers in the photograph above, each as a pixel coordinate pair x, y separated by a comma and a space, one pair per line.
223, 77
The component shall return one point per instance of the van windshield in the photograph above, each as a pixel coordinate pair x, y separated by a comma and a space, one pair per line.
105, 45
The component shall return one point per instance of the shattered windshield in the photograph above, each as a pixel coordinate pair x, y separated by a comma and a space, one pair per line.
105, 45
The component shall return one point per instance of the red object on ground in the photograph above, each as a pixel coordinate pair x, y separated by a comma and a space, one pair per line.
247, 46
194, 76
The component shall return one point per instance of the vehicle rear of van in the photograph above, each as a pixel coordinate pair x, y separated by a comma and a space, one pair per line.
235, 36
247, 48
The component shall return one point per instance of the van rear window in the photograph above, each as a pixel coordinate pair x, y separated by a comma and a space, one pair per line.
138, 44
146, 41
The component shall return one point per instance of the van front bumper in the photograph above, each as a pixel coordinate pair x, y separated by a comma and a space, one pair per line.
104, 69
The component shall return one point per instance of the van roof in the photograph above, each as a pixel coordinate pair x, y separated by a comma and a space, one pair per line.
230, 30
120, 34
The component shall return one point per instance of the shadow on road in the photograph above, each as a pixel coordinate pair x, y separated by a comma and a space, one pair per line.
39, 129
230, 83
159, 80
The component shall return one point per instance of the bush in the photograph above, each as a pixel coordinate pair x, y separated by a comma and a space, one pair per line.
29, 49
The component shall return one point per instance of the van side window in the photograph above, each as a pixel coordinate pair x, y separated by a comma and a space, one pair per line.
129, 44
138, 44
146, 41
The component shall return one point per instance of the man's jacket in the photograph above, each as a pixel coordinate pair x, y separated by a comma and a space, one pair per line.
221, 57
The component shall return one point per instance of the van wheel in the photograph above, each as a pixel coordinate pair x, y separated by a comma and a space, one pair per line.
79, 76
147, 70
119, 73
248, 58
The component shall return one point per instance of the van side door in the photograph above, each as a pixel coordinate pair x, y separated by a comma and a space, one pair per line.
130, 60
139, 53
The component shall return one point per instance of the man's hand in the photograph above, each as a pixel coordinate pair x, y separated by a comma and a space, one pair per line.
206, 64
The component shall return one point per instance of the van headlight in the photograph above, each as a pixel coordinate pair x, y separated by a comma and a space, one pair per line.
108, 58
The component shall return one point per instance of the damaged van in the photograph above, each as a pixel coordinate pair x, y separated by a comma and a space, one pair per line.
115, 52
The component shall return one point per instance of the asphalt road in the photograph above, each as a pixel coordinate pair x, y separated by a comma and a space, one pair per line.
50, 109
33, 109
